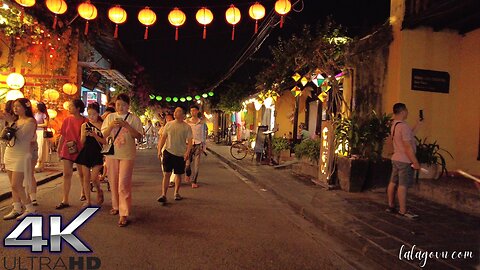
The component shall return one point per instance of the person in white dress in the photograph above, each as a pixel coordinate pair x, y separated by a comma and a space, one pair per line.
18, 158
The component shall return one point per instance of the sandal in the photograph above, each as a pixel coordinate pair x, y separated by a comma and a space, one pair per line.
62, 205
113, 212
123, 222
100, 197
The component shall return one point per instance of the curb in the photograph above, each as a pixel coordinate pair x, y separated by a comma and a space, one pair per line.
8, 194
376, 253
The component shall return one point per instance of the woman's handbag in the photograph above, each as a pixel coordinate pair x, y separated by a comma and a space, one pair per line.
108, 148
47, 133
8, 133
72, 147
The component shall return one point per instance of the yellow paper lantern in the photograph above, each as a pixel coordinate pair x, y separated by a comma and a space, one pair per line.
26, 3
177, 18
256, 12
15, 80
282, 7
65, 105
51, 95
88, 12
34, 103
147, 17
57, 7
13, 95
69, 88
233, 16
52, 113
117, 15
204, 16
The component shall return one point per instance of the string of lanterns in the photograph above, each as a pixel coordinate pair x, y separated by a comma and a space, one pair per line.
181, 99
176, 17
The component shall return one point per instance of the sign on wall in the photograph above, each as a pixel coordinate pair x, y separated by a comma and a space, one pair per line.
430, 80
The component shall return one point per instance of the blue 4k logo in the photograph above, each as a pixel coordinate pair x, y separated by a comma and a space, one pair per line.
37, 242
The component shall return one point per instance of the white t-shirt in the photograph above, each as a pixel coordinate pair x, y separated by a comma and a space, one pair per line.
198, 131
124, 144
403, 133
177, 136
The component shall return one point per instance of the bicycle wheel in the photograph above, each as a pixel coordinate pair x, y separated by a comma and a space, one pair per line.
238, 151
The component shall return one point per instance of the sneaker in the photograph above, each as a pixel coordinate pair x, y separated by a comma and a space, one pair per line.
178, 197
25, 213
12, 215
195, 185
162, 199
391, 210
171, 184
34, 203
408, 215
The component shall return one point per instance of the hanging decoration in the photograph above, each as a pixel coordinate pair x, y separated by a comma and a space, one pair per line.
147, 17
183, 99
177, 18
51, 95
52, 113
282, 7
26, 3
58, 7
87, 11
117, 15
296, 91
13, 95
69, 88
204, 17
233, 16
66, 104
15, 80
256, 12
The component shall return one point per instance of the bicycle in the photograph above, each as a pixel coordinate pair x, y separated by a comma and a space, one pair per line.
240, 149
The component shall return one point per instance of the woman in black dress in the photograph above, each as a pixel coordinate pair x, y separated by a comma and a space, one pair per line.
90, 157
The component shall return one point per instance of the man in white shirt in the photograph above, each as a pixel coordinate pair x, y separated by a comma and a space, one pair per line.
199, 130
177, 139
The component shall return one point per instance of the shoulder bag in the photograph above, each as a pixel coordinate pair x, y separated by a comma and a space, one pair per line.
108, 148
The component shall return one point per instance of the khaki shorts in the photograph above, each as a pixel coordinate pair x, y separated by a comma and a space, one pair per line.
402, 173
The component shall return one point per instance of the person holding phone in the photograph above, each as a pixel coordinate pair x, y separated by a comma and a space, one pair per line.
120, 164
90, 157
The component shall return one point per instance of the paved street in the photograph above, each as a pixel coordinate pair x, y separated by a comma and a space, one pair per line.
228, 223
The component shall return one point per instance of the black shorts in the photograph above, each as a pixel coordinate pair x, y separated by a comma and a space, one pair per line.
173, 163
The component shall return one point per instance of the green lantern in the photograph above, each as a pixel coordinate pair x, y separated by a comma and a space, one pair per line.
175, 99
168, 99
183, 99
152, 96
189, 98
205, 95
197, 97
210, 93
159, 98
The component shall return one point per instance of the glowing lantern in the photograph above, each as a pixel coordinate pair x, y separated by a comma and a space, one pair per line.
257, 105
52, 113
189, 98
197, 97
175, 99
69, 88
88, 12
204, 95
177, 18
268, 102
168, 99
159, 98
147, 17
182, 99
210, 94
117, 15
256, 12
282, 7
65, 105
204, 16
13, 95
26, 3
15, 80
51, 94
57, 7
233, 16
34, 103
104, 99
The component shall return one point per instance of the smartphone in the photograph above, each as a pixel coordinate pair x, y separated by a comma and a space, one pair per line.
119, 119
88, 129
420, 115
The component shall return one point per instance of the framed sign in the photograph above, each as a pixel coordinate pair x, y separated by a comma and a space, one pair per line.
430, 81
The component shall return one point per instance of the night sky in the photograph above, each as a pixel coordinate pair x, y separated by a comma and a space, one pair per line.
190, 64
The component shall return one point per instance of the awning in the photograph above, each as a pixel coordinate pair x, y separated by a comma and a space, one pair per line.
115, 76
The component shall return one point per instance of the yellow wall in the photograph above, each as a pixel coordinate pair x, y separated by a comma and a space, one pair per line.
451, 119
285, 109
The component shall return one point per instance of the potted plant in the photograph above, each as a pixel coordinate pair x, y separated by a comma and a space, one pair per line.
377, 129
308, 151
431, 160
281, 148
350, 143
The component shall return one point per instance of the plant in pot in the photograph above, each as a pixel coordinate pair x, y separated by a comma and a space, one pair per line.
377, 130
431, 159
350, 160
308, 151
281, 148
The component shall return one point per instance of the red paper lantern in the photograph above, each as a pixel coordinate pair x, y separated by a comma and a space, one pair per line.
117, 15
282, 7
88, 12
57, 7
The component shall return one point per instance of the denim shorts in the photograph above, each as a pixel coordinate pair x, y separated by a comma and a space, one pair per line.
402, 173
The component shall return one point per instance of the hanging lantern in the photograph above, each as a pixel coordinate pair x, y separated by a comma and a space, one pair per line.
233, 17
183, 99
88, 12
282, 7
51, 95
13, 95
26, 3
204, 16
65, 105
268, 102
15, 80
257, 105
34, 103
256, 12
177, 18
204, 95
69, 88
52, 113
147, 17
58, 7
117, 15
189, 98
